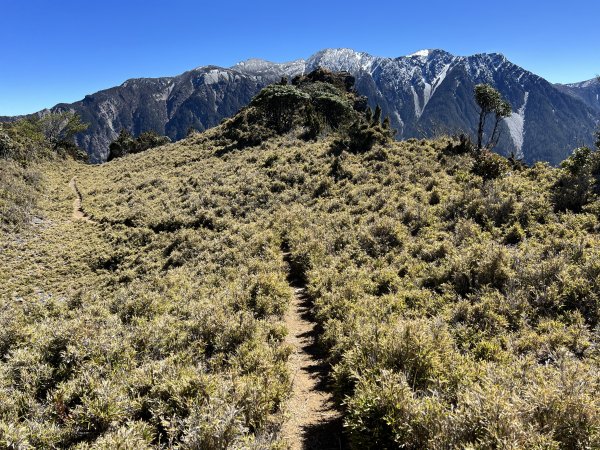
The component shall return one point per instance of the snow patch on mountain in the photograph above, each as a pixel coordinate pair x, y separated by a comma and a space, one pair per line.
431, 88
584, 84
420, 53
426, 95
516, 126
212, 76
440, 78
399, 120
253, 65
341, 59
263, 68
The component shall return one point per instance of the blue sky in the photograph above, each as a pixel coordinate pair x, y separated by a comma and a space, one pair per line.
60, 50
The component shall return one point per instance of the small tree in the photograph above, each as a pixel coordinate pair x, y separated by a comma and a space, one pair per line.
60, 129
377, 115
490, 102
121, 146
502, 111
148, 140
579, 183
387, 125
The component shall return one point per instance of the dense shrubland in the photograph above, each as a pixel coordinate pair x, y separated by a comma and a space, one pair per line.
36, 137
126, 144
24, 144
457, 311
457, 292
312, 106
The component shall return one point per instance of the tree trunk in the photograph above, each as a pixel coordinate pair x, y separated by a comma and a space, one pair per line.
482, 115
495, 137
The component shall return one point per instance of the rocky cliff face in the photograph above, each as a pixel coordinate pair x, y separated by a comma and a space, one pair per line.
426, 93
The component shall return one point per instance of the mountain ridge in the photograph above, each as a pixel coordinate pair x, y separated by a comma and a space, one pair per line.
587, 91
426, 93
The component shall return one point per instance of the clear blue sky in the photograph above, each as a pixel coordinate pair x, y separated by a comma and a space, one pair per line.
59, 50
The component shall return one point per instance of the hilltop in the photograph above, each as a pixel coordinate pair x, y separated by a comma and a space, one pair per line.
453, 296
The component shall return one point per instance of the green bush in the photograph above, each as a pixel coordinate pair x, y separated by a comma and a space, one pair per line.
489, 165
280, 105
578, 186
316, 103
126, 144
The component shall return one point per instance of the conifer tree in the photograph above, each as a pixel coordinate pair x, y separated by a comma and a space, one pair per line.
377, 115
386, 123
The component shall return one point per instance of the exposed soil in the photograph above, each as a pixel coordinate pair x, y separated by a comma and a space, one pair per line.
78, 213
314, 422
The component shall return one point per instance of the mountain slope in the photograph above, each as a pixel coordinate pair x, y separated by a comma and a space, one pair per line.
425, 94
432, 91
453, 294
587, 91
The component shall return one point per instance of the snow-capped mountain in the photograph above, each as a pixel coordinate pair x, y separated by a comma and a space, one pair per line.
431, 92
426, 93
588, 91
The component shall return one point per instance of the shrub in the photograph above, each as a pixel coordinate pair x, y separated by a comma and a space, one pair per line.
362, 136
385, 413
514, 235
489, 165
578, 185
280, 105
20, 188
126, 144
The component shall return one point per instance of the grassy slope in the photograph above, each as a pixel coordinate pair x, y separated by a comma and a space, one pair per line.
110, 337
455, 311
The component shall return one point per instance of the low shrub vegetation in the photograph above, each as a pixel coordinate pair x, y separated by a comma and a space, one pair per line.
126, 144
457, 296
25, 145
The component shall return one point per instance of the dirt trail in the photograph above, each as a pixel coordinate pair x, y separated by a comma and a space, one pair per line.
314, 422
78, 213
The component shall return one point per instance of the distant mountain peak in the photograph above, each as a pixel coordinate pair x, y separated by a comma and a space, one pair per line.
338, 53
428, 53
420, 53
587, 91
585, 84
254, 64
262, 67
340, 59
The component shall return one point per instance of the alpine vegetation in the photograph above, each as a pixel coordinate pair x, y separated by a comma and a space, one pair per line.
454, 292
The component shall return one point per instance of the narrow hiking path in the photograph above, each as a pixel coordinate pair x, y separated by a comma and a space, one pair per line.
313, 422
78, 213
